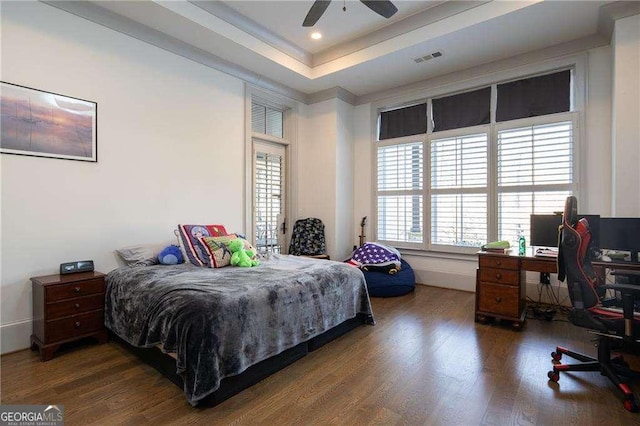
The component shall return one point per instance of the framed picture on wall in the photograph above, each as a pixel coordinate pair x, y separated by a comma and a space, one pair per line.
43, 124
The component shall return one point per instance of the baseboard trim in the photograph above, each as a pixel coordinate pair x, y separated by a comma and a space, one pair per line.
15, 336
446, 280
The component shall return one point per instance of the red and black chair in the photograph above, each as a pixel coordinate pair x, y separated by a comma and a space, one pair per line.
611, 320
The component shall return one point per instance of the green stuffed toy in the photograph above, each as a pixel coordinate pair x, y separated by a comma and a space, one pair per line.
240, 256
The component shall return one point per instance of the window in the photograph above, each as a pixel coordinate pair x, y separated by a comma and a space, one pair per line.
483, 177
459, 190
266, 120
535, 173
269, 196
269, 146
400, 198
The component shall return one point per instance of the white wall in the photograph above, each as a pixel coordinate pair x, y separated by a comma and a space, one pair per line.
326, 172
626, 117
170, 150
345, 235
458, 272
317, 167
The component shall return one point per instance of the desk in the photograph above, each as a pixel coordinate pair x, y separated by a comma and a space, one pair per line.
501, 282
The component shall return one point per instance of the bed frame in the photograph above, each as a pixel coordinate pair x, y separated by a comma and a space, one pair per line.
230, 386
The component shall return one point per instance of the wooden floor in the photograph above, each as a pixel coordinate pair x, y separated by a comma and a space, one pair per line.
425, 362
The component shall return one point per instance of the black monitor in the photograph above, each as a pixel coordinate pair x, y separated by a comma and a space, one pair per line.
621, 233
544, 229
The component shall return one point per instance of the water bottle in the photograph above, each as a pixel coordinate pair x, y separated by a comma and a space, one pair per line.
522, 244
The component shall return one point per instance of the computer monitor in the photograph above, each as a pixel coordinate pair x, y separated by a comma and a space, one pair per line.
544, 229
621, 233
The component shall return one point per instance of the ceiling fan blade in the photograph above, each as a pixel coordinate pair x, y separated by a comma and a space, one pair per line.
381, 7
316, 11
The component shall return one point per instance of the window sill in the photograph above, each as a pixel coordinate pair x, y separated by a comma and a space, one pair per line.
468, 257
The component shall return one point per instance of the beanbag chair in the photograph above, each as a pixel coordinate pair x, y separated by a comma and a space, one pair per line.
382, 284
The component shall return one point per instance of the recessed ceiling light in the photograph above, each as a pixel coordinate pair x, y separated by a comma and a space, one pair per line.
316, 36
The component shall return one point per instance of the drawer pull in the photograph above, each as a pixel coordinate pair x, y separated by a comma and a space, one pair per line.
77, 324
77, 305
498, 276
498, 300
498, 263
77, 289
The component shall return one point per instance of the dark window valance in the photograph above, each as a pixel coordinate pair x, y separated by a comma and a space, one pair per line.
531, 97
403, 122
462, 110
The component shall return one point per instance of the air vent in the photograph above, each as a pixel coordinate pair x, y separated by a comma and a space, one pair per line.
433, 55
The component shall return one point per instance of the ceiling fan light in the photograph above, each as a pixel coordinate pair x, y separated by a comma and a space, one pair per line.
316, 35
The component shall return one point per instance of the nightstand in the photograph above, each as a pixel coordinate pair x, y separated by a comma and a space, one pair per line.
67, 308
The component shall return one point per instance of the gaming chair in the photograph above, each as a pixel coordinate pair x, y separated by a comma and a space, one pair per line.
591, 310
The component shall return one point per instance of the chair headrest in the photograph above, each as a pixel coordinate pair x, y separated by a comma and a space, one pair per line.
570, 215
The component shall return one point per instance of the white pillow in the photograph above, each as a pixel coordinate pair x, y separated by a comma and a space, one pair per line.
140, 252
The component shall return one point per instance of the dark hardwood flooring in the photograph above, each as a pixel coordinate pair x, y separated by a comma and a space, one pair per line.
426, 362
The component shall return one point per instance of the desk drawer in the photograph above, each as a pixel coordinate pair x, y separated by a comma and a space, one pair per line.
504, 262
499, 299
500, 276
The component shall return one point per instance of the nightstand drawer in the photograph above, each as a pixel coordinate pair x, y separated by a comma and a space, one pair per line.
74, 306
500, 276
76, 325
499, 299
504, 262
76, 289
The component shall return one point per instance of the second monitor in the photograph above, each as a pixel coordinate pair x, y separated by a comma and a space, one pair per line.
544, 229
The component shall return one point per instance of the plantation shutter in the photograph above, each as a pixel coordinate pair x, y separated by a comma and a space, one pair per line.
535, 174
269, 196
459, 190
400, 199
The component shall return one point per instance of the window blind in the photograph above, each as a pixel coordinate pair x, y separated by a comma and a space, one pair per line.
535, 96
401, 122
462, 110
459, 176
400, 199
535, 174
266, 120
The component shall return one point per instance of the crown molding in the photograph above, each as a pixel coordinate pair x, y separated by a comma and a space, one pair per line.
334, 92
96, 14
611, 12
541, 55
233, 17
435, 13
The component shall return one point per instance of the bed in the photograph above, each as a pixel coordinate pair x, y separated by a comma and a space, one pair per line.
229, 327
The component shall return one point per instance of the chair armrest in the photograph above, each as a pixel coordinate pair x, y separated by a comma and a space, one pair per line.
629, 288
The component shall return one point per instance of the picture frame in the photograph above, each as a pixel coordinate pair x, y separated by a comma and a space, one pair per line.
38, 123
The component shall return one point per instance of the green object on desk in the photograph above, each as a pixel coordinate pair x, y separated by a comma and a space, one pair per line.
496, 245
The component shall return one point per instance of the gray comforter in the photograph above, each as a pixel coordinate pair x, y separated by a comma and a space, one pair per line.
221, 321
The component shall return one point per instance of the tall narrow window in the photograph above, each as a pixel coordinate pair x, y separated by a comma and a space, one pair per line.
535, 174
400, 199
459, 190
268, 196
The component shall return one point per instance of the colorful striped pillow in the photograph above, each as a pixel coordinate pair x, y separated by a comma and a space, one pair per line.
189, 235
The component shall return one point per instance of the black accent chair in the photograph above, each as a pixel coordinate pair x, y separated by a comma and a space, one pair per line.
307, 239
611, 320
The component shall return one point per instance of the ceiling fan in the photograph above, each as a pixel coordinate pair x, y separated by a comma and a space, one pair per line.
381, 7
